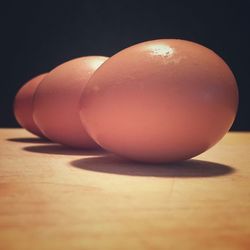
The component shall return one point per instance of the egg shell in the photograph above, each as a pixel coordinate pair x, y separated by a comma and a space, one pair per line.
160, 101
23, 102
57, 98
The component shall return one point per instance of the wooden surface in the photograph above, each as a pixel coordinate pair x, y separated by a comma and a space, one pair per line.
52, 197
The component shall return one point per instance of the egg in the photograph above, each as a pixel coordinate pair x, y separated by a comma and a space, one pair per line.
23, 105
57, 98
160, 101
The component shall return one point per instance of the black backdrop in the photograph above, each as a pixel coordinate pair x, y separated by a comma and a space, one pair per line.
38, 35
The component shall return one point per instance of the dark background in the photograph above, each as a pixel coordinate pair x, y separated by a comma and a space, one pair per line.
37, 36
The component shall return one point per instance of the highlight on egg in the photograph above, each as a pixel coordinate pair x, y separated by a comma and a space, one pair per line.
55, 106
160, 101
23, 102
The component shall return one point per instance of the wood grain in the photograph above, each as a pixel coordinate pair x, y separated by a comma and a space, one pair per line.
53, 197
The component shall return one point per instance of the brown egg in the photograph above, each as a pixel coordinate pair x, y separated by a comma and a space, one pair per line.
160, 101
57, 99
23, 105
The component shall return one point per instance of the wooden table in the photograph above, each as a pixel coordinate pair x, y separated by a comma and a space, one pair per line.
52, 197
